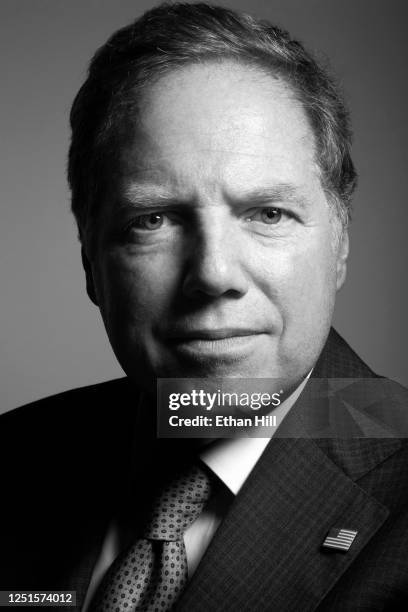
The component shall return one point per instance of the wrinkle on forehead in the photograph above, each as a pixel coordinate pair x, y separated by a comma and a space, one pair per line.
218, 125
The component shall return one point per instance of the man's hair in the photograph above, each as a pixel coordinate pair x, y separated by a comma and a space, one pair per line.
171, 36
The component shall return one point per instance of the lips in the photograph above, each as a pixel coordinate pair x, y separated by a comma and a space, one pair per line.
223, 344
186, 335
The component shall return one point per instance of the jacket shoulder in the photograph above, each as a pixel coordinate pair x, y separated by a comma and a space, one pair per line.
77, 421
79, 399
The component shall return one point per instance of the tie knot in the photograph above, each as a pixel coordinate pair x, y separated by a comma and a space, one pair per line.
178, 505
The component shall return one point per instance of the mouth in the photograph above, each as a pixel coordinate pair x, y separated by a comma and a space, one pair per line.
211, 334
228, 343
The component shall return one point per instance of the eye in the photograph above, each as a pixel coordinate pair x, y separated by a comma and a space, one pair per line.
151, 226
271, 215
151, 221
268, 215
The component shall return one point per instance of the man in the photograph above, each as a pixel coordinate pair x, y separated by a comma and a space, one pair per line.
211, 181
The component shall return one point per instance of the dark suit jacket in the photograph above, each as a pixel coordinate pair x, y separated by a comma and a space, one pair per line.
68, 459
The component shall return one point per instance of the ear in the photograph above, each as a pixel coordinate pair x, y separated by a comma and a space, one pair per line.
342, 255
90, 286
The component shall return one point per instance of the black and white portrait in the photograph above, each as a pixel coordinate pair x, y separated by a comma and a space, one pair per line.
201, 198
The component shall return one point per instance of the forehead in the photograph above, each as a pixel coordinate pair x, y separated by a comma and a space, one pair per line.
219, 123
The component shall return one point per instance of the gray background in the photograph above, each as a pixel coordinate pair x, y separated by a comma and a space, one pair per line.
52, 338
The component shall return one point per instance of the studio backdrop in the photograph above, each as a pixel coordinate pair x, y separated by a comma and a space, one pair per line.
52, 337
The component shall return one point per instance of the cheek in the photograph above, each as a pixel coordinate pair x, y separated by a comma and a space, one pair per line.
300, 279
134, 291
314, 287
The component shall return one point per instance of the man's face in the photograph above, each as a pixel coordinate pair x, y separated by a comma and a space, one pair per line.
215, 249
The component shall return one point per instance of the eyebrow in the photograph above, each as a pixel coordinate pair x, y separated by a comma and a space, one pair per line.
267, 195
147, 196
155, 196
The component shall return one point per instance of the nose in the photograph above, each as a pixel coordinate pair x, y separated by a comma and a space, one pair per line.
215, 263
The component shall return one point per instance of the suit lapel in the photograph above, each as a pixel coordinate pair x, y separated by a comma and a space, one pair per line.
267, 553
111, 444
80, 575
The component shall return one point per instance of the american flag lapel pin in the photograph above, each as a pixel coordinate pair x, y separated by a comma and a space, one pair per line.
339, 539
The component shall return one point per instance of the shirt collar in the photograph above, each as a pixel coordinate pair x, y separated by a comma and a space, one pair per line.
233, 459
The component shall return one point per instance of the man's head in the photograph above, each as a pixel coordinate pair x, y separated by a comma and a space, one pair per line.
211, 180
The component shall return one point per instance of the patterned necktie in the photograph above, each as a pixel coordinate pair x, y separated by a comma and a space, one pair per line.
152, 573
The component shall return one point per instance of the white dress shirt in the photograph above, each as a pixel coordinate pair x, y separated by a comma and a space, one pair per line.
232, 460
